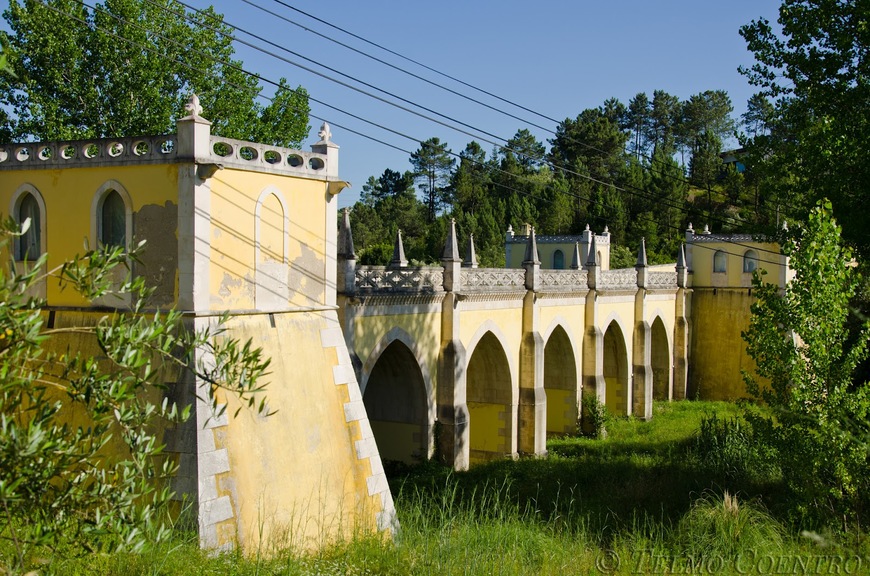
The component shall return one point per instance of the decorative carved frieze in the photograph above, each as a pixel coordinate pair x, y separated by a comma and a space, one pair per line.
564, 280
623, 279
662, 280
494, 279
424, 280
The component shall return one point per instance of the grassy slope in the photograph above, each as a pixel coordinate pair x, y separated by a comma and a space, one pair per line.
637, 494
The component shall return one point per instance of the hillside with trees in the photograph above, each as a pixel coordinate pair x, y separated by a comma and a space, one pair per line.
645, 169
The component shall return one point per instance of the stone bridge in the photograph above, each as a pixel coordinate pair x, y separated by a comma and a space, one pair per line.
474, 364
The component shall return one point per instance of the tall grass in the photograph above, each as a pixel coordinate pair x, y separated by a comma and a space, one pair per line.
668, 494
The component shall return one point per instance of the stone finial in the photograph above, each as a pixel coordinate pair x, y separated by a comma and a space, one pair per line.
399, 260
593, 254
641, 255
509, 235
606, 230
531, 249
587, 227
193, 106
682, 271
706, 229
690, 228
471, 259
451, 247
325, 133
345, 237
575, 261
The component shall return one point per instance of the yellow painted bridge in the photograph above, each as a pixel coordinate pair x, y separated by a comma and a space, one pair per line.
478, 363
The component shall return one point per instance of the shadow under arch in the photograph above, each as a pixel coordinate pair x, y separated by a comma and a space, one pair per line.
560, 382
397, 395
491, 396
615, 368
661, 361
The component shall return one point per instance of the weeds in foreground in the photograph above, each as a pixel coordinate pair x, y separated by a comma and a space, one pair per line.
646, 498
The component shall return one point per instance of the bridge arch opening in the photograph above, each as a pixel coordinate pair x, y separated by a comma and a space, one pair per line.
489, 400
560, 384
616, 396
660, 361
395, 401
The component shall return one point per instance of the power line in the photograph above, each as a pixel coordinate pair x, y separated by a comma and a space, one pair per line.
648, 157
239, 68
639, 191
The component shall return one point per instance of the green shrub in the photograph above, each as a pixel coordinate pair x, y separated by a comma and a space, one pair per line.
593, 416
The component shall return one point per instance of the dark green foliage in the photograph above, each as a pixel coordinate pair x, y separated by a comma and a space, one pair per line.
593, 416
128, 68
82, 465
815, 143
598, 171
433, 164
806, 357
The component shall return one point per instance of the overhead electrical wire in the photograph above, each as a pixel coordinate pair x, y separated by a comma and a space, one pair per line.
648, 157
260, 77
502, 144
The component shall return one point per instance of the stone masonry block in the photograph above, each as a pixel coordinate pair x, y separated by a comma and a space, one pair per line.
377, 484
331, 337
377, 465
211, 463
366, 448
343, 374
214, 511
207, 488
354, 411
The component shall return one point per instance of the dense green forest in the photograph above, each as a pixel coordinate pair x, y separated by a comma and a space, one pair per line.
645, 170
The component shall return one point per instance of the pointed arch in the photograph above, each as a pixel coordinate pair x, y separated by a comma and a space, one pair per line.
397, 393
661, 360
561, 378
112, 221
750, 261
720, 262
27, 202
616, 369
272, 226
271, 249
491, 395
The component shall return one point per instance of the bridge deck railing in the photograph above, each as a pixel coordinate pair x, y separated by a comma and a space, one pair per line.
492, 279
431, 280
414, 279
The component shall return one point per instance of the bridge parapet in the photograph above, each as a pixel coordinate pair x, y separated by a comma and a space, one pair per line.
564, 280
417, 279
622, 279
662, 280
91, 152
493, 279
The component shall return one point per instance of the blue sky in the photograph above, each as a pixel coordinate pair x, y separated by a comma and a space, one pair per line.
553, 57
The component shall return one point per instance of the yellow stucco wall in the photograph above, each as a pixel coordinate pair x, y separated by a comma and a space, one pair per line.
233, 273
399, 441
508, 320
561, 411
69, 199
718, 351
702, 263
294, 476
424, 329
621, 308
487, 430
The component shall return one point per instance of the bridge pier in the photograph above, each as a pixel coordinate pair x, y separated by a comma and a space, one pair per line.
533, 400
681, 329
642, 373
454, 426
